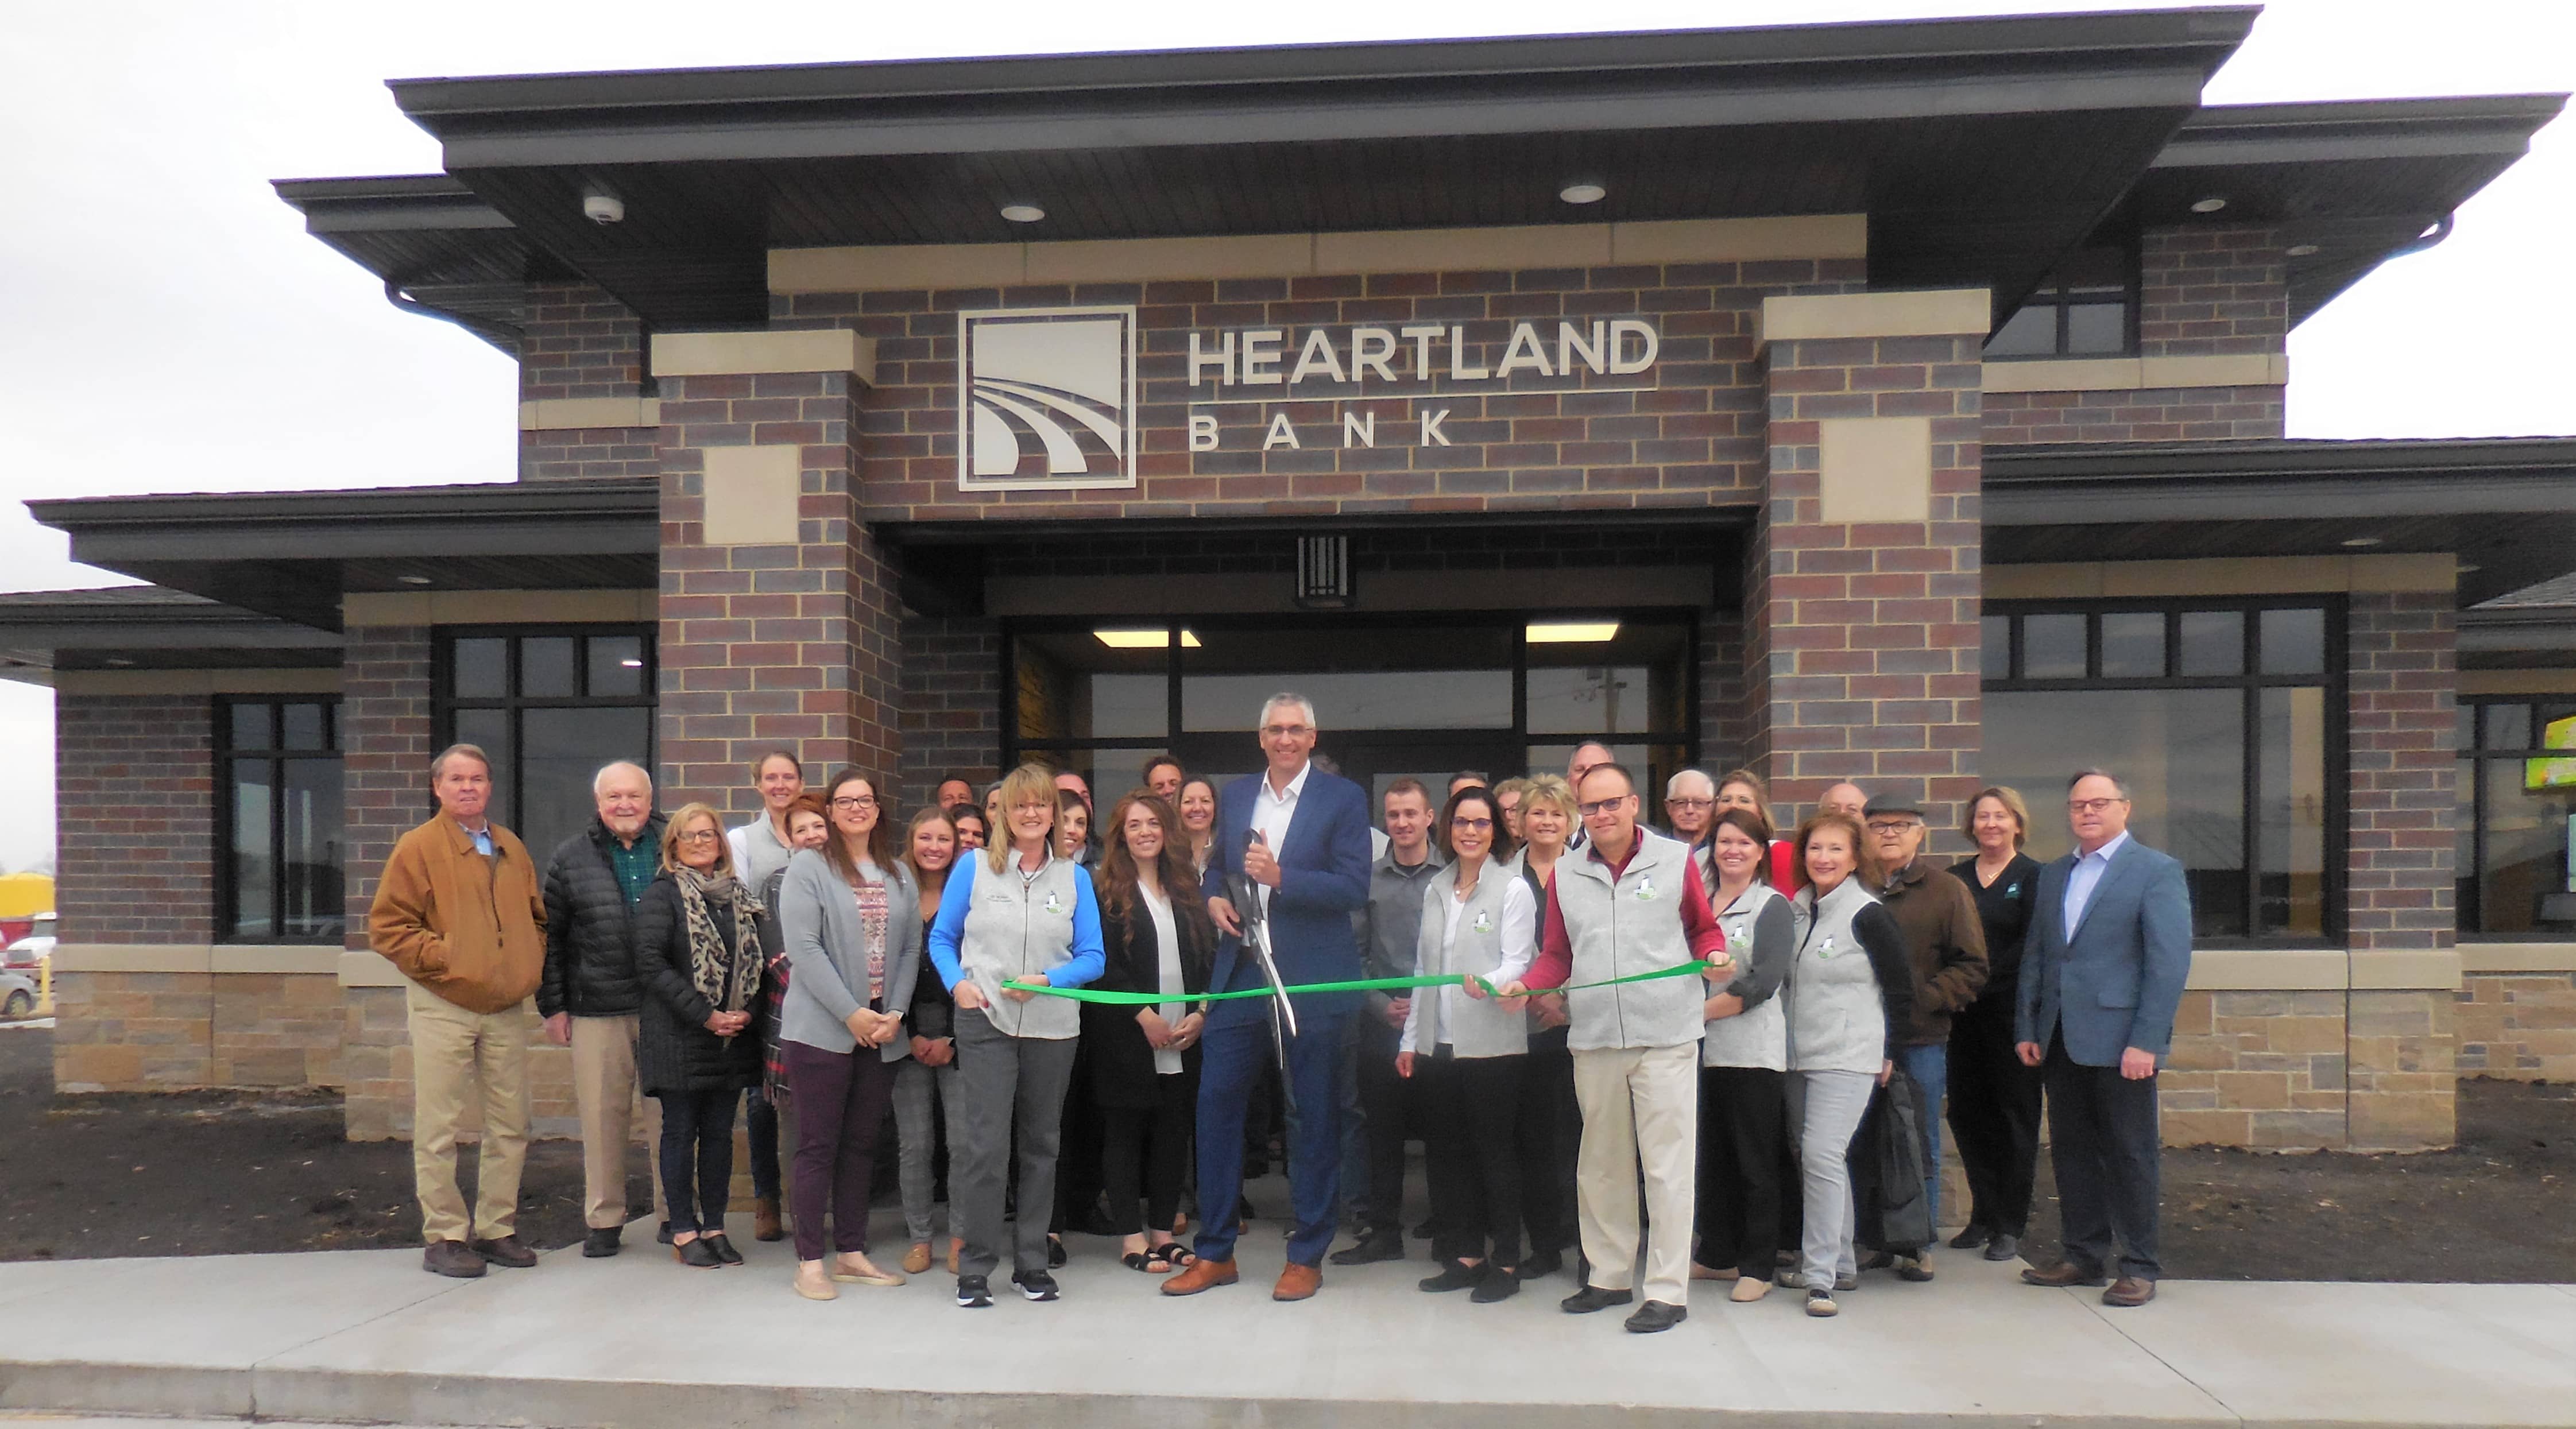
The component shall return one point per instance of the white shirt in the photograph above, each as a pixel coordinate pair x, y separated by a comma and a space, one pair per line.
2086, 876
1272, 813
1167, 956
1520, 949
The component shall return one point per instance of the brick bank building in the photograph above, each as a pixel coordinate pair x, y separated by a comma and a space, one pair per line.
1893, 402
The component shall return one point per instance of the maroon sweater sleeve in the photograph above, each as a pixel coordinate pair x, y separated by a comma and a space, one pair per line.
1555, 960
1699, 921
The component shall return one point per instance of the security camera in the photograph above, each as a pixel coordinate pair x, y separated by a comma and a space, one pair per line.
602, 208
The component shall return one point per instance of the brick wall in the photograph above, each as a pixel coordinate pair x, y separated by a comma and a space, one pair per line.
952, 702
2165, 414
577, 341
135, 818
764, 646
1725, 720
1697, 438
2212, 288
1862, 643
2517, 1026
384, 724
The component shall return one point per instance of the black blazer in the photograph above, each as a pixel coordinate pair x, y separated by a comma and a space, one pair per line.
674, 1051
1113, 1046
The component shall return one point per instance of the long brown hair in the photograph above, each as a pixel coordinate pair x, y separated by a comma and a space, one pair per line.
1864, 856
837, 849
1116, 873
1475, 794
921, 879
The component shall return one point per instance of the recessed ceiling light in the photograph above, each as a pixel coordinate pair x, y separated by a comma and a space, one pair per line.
2211, 204
2301, 250
2470, 568
1022, 212
1155, 639
119, 661
413, 580
2358, 542
1572, 632
1583, 193
631, 663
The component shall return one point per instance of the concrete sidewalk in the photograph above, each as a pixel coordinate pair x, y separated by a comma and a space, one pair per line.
641, 1343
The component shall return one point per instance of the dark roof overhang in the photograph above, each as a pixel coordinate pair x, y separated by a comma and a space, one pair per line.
147, 627
2361, 181
432, 243
1980, 148
2506, 507
292, 555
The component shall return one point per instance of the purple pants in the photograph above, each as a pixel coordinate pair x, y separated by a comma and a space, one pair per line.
840, 1100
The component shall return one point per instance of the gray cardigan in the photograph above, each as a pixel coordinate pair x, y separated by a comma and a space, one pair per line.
827, 955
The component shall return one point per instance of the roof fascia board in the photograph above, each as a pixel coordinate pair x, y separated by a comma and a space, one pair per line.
596, 497
2547, 455
2038, 503
244, 631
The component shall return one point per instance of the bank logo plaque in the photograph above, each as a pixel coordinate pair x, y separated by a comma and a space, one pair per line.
1048, 399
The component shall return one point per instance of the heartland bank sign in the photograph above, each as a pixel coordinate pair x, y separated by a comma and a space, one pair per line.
1048, 397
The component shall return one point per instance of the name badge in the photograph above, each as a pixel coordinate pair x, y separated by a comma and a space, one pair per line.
1484, 922
1053, 903
1645, 888
1825, 949
2012, 890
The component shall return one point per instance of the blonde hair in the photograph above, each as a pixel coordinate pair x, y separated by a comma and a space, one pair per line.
2011, 799
687, 815
1549, 789
1028, 784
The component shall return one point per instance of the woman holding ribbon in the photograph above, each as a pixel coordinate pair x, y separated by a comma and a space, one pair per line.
1143, 1058
1744, 1056
1013, 918
1468, 1051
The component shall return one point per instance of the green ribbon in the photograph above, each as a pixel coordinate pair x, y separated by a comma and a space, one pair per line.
1366, 984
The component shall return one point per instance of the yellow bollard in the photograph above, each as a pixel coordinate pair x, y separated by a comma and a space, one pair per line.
45, 986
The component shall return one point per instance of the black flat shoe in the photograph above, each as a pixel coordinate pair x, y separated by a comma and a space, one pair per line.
1591, 1298
600, 1244
1372, 1246
2004, 1247
1501, 1282
1453, 1276
698, 1255
1655, 1316
1971, 1238
722, 1247
1541, 1265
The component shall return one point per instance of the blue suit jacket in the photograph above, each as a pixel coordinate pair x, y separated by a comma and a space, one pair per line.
1323, 877
2114, 980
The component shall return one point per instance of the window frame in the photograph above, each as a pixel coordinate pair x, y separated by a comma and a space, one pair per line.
227, 886
2055, 292
444, 705
2334, 679
2471, 761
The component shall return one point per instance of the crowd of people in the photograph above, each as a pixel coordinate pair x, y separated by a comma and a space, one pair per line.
1715, 1050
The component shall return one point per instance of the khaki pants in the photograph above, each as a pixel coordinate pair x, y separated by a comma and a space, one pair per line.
1640, 1107
457, 1055
603, 1087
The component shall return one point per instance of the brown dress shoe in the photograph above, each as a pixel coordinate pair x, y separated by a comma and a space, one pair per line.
764, 1220
2130, 1291
916, 1261
1202, 1275
506, 1252
2062, 1275
1298, 1282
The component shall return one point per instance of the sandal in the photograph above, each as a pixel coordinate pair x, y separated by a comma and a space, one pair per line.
1175, 1254
1150, 1262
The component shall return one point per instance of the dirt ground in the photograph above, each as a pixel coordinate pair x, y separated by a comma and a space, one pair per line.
214, 1173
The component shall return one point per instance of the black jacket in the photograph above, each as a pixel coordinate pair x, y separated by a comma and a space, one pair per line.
590, 933
1114, 1050
674, 1051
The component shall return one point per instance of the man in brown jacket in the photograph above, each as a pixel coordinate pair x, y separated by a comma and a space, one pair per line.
1948, 945
462, 913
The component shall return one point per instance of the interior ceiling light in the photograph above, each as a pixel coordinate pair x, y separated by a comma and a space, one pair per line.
120, 662
413, 580
631, 663
2301, 250
1572, 632
1583, 193
1022, 212
1155, 639
2358, 542
2211, 204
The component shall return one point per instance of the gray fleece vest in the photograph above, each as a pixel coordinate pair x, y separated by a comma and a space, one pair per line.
1632, 926
1837, 1022
1016, 929
1759, 1036
1487, 1027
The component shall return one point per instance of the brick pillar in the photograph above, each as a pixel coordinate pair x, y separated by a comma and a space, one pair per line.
1861, 596
778, 614
952, 702
2402, 1043
582, 390
1725, 732
384, 726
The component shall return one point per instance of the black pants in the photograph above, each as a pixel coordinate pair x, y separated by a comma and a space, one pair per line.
1743, 1127
1386, 1102
2108, 1151
1551, 1127
1471, 1108
1078, 1170
1994, 1114
697, 1156
1156, 1141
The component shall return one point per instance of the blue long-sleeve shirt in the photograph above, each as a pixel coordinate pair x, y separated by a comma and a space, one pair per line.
1004, 926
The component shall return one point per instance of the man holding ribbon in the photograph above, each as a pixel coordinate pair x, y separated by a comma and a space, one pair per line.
1628, 906
1295, 841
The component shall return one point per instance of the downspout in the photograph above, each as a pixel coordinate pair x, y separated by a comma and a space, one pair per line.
500, 333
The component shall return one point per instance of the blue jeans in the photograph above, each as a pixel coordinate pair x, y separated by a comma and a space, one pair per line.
1230, 1065
1930, 1069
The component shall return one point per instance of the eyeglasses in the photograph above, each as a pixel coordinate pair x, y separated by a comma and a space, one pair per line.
2091, 806
697, 836
1690, 803
1286, 731
1473, 826
1601, 806
852, 803
1885, 827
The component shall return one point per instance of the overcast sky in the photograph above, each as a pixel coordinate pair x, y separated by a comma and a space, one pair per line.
166, 326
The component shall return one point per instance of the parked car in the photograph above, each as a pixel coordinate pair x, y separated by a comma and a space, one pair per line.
27, 952
17, 997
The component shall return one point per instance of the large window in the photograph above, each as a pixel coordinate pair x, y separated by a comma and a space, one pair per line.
2087, 308
281, 820
2517, 805
550, 704
1499, 693
2221, 716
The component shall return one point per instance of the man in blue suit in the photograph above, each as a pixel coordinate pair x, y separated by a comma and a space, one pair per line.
2110, 948
1299, 837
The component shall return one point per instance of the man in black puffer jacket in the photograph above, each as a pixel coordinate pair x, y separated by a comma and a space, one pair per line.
589, 996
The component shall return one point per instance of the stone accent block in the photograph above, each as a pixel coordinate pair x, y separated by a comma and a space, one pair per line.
2519, 1027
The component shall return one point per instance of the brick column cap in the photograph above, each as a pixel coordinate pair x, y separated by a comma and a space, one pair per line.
1927, 312
745, 354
